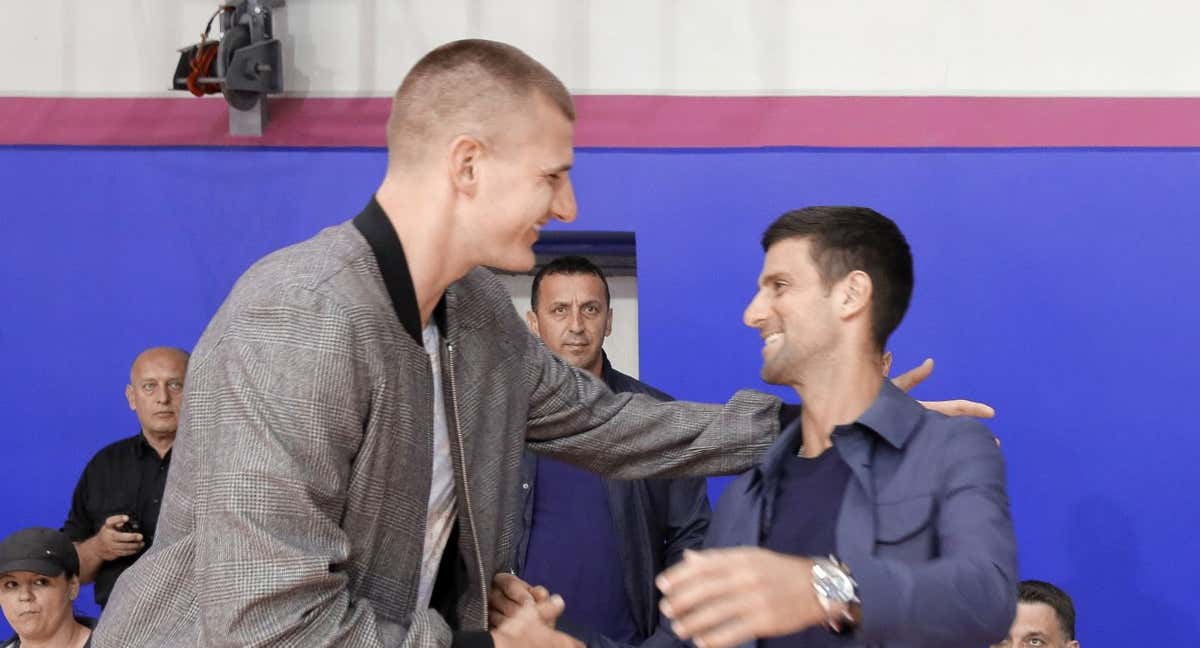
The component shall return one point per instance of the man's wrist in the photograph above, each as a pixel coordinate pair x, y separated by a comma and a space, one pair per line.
843, 618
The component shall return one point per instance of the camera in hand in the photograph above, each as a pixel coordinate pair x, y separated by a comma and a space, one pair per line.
134, 525
130, 525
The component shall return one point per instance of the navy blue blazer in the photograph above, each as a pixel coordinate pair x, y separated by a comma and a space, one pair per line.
924, 524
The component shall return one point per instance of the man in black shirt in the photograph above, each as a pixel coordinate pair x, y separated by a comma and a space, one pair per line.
115, 507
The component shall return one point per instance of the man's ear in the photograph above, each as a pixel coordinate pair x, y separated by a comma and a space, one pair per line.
854, 295
129, 397
532, 323
465, 155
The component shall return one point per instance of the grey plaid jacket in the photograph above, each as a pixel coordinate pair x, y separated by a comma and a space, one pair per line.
295, 506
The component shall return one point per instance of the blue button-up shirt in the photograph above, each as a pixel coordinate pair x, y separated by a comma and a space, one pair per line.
924, 523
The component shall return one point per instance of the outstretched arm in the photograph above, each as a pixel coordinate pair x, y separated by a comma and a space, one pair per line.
573, 417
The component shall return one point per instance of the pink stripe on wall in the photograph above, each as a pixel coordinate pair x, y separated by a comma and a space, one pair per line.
642, 121
188, 121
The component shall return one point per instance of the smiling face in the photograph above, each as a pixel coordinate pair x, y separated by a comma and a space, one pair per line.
155, 390
795, 313
524, 182
573, 318
36, 606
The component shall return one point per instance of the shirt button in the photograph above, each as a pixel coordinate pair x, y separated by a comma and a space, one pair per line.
156, 500
525, 486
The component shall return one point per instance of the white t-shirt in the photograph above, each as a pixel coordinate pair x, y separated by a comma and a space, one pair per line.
443, 503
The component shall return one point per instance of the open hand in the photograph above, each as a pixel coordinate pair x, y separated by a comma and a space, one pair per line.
915, 376
724, 597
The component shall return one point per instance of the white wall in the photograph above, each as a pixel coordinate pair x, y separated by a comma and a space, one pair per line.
622, 345
363, 47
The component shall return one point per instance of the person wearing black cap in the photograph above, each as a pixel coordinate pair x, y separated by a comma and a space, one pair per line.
39, 580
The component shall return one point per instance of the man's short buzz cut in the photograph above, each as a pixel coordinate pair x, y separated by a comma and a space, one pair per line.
1036, 591
461, 88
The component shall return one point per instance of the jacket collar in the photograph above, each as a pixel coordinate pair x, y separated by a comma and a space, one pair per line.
607, 373
374, 225
892, 416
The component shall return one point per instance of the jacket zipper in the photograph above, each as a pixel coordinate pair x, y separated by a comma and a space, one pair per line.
462, 458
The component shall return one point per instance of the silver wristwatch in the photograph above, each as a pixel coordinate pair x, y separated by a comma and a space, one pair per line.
837, 593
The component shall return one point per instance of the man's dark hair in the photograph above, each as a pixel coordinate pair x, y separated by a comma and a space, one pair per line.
568, 265
1036, 591
845, 239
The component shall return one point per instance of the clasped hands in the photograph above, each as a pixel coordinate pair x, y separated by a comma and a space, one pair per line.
524, 615
716, 598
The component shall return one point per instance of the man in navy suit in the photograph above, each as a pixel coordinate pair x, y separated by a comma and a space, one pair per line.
872, 520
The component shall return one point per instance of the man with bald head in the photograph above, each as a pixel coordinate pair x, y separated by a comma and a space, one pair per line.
115, 506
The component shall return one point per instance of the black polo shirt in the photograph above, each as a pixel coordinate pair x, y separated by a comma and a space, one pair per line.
126, 477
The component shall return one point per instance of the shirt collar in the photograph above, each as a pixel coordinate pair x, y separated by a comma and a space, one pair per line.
374, 225
606, 369
786, 445
142, 448
893, 416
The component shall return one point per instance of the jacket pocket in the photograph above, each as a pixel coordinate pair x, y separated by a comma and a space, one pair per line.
900, 521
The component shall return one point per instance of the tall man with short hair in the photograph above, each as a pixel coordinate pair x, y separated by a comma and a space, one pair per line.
114, 511
359, 405
629, 530
870, 516
1045, 618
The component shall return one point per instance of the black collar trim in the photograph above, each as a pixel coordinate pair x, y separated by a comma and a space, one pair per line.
374, 225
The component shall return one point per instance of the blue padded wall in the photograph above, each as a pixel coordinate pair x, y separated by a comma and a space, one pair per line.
1054, 284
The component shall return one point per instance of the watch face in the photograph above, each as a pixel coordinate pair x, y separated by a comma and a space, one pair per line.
833, 583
